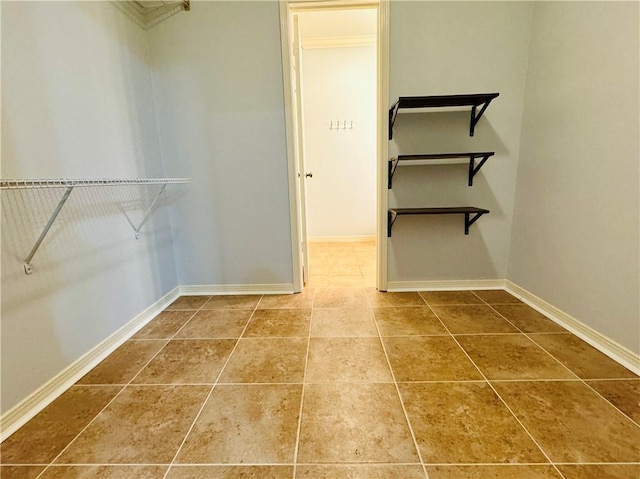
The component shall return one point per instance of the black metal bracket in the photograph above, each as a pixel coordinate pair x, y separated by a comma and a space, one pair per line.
391, 218
476, 117
393, 164
468, 223
393, 113
473, 168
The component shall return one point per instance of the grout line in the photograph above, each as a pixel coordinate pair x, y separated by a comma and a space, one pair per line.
503, 401
395, 383
206, 400
304, 379
114, 397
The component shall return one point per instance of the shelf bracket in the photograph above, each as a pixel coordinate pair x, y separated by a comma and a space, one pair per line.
52, 219
393, 164
476, 117
473, 168
468, 222
393, 113
149, 211
391, 218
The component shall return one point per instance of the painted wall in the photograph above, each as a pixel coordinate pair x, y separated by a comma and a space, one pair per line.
76, 103
220, 101
338, 85
439, 48
575, 233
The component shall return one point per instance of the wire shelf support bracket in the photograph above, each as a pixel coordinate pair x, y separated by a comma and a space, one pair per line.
69, 186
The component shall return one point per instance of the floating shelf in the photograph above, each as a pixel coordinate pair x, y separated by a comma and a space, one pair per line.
476, 100
393, 214
427, 159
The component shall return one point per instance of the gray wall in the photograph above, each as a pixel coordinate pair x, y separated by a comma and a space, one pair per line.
441, 48
220, 101
76, 103
575, 232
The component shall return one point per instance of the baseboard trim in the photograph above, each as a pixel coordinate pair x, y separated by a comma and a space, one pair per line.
445, 285
340, 239
218, 289
602, 343
22, 412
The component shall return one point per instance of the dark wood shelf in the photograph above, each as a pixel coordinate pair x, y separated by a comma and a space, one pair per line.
442, 101
467, 211
473, 168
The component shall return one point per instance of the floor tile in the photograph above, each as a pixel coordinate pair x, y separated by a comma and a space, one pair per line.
512, 356
450, 297
356, 471
527, 319
143, 425
48, 433
279, 322
346, 281
237, 301
354, 423
124, 363
319, 268
20, 472
473, 319
187, 361
623, 394
408, 321
340, 298
188, 303
465, 423
272, 360
164, 326
496, 296
493, 472
254, 424
571, 422
216, 323
583, 359
605, 471
230, 472
347, 360
429, 358
379, 299
105, 472
288, 301
343, 322
318, 281
338, 269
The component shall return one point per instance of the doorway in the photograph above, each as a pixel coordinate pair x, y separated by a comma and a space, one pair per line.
335, 64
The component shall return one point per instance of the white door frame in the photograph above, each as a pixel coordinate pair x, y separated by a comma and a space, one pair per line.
286, 9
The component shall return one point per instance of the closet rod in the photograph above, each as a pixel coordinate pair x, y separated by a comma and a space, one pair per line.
71, 184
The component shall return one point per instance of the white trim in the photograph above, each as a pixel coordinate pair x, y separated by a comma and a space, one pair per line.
383, 142
292, 167
615, 351
340, 239
220, 289
445, 285
26, 409
339, 42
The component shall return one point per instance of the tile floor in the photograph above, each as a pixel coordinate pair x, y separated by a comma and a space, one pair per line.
342, 382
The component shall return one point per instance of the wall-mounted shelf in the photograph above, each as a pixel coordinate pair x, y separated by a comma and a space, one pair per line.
467, 211
475, 100
69, 185
430, 159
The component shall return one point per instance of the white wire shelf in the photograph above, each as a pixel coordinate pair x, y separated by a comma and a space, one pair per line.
70, 184
17, 184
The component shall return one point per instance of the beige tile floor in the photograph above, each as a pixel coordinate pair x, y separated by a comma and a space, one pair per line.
342, 382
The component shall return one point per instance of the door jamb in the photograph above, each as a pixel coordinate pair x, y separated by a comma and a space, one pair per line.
382, 37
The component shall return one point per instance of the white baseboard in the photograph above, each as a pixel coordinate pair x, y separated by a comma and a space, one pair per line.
339, 239
602, 343
217, 289
445, 285
22, 412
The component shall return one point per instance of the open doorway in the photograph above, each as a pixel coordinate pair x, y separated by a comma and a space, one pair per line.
334, 130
